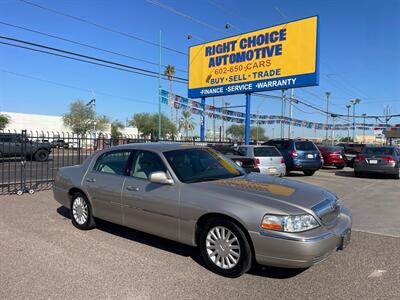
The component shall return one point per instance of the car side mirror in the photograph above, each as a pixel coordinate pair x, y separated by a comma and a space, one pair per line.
160, 177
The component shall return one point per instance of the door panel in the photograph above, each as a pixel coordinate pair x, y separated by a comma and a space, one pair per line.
151, 207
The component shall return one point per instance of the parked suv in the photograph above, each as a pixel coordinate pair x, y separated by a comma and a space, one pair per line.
299, 155
59, 144
12, 145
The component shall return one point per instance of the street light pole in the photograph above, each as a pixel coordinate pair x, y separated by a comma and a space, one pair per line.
283, 114
290, 113
348, 106
354, 102
327, 114
159, 91
364, 115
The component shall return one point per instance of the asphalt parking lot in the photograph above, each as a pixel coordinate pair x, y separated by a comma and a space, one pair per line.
44, 257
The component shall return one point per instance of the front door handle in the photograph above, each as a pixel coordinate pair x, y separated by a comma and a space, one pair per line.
132, 188
90, 179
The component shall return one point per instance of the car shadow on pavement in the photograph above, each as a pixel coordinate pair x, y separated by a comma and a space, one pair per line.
175, 247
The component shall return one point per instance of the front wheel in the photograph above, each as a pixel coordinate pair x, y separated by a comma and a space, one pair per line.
309, 172
224, 248
81, 212
41, 155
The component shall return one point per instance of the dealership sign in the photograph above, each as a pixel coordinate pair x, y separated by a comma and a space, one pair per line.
279, 57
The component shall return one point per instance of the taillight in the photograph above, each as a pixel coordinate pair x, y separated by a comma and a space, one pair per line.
359, 158
282, 160
257, 162
389, 159
293, 153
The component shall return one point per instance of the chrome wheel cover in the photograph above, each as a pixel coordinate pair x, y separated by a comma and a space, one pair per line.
222, 247
80, 210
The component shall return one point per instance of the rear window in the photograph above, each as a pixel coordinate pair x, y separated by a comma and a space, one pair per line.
266, 151
379, 151
332, 149
305, 146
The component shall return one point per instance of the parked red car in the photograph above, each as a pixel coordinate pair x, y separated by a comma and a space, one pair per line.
333, 156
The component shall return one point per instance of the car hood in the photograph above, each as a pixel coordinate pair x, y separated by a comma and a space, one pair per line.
264, 189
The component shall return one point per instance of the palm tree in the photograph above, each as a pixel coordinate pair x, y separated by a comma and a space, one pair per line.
186, 122
170, 72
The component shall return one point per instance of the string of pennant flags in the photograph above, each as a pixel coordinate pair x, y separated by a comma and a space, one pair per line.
219, 113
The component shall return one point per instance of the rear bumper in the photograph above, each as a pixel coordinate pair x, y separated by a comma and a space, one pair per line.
300, 250
273, 170
302, 165
376, 169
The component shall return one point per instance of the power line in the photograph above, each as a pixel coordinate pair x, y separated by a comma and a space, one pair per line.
86, 45
76, 87
106, 28
137, 70
82, 60
181, 14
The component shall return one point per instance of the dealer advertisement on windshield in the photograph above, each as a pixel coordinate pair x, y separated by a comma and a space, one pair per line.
278, 57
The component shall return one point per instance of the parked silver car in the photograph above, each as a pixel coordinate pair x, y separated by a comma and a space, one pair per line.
193, 195
268, 159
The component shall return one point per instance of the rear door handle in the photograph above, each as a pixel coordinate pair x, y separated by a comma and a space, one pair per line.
132, 188
90, 179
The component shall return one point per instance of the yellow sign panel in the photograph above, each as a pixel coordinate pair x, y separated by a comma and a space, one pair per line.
278, 57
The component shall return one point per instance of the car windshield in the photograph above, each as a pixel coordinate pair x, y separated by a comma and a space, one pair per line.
201, 164
305, 146
379, 151
266, 151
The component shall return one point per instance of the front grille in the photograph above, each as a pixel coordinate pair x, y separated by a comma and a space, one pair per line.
328, 210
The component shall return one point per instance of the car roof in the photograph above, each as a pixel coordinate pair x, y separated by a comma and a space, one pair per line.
158, 146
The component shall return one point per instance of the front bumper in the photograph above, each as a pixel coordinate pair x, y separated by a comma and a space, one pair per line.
300, 250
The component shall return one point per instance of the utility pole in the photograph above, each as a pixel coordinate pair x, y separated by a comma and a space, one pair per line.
290, 113
213, 103
222, 118
327, 114
348, 106
159, 91
283, 114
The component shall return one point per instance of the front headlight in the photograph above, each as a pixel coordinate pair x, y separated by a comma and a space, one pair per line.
296, 223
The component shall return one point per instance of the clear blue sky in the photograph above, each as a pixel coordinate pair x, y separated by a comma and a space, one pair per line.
359, 52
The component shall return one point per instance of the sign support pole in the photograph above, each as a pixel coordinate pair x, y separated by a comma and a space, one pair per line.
247, 120
203, 118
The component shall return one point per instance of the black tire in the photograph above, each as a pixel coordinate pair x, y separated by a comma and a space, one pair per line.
41, 155
89, 223
309, 172
244, 262
340, 167
397, 176
357, 174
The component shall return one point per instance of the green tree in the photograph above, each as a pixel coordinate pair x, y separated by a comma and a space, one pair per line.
346, 139
116, 127
170, 72
147, 125
186, 122
236, 132
4, 121
82, 119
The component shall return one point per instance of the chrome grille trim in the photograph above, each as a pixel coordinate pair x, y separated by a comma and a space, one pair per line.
328, 210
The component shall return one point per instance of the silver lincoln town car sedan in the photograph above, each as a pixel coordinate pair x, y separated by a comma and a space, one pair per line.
194, 195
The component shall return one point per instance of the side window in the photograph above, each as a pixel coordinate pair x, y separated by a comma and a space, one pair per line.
242, 151
114, 162
147, 162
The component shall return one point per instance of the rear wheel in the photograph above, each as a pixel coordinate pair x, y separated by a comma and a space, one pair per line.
357, 174
224, 248
81, 212
339, 167
309, 172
